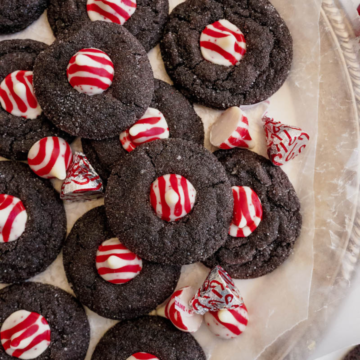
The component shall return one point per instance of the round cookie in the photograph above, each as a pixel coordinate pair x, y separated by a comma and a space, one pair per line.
16, 15
260, 73
45, 230
99, 116
152, 286
272, 242
146, 24
133, 220
19, 134
69, 327
183, 123
150, 334
354, 354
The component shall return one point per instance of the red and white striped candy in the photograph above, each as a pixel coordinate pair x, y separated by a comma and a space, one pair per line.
90, 71
222, 43
227, 324
17, 95
247, 212
115, 263
13, 218
231, 130
152, 126
50, 158
25, 335
172, 197
116, 11
142, 356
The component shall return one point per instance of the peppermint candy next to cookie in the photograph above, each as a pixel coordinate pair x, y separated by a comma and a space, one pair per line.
115, 263
231, 130
50, 158
172, 197
13, 218
222, 43
17, 95
142, 356
90, 71
116, 11
151, 126
25, 335
247, 213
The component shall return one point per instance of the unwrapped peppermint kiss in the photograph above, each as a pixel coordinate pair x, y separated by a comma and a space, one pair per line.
116, 11
222, 43
151, 126
115, 263
90, 71
247, 213
231, 130
13, 218
227, 324
25, 335
172, 197
142, 356
17, 95
50, 158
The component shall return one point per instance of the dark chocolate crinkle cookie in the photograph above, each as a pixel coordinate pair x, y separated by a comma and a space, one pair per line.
16, 15
272, 242
354, 354
150, 334
103, 115
146, 24
180, 116
152, 286
45, 229
132, 219
69, 326
260, 73
18, 134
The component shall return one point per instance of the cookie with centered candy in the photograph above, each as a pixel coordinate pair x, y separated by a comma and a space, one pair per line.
96, 83
180, 119
149, 337
354, 354
266, 218
110, 279
227, 53
32, 223
41, 321
22, 122
170, 201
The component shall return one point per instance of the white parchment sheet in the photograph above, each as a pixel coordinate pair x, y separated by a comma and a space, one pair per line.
278, 301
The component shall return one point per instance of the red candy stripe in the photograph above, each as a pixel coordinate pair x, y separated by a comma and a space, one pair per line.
142, 356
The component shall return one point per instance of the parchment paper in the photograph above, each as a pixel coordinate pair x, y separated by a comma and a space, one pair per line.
278, 301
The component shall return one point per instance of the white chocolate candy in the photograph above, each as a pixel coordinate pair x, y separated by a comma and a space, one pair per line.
142, 356
171, 197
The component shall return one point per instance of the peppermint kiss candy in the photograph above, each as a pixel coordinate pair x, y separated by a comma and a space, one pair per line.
150, 127
13, 218
50, 158
222, 43
284, 142
172, 197
17, 95
142, 356
116, 11
231, 130
247, 212
90, 71
227, 324
25, 335
115, 263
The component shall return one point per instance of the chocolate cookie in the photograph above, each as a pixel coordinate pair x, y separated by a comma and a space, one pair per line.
259, 74
272, 242
98, 116
180, 116
133, 220
152, 286
149, 334
45, 229
16, 15
69, 327
354, 354
146, 23
17, 134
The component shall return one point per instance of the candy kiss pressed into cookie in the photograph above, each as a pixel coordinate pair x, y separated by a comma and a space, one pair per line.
142, 356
